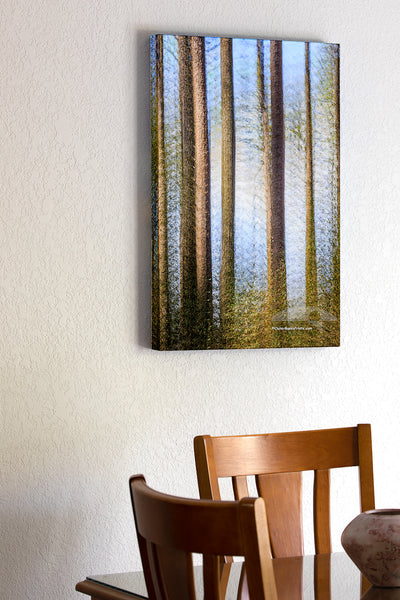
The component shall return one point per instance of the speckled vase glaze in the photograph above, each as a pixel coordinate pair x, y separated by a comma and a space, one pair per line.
372, 540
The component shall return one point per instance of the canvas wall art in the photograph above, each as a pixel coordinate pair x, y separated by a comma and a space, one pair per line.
245, 193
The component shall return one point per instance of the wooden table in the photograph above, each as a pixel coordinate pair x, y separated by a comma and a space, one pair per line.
320, 577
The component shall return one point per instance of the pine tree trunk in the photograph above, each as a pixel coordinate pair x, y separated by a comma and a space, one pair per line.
264, 121
277, 294
202, 190
188, 286
266, 145
227, 274
162, 204
155, 294
311, 254
336, 257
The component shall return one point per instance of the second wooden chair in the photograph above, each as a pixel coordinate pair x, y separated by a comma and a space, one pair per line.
277, 460
170, 528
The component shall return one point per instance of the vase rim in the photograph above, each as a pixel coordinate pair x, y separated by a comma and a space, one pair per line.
383, 512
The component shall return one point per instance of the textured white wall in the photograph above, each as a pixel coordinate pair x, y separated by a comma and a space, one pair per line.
85, 402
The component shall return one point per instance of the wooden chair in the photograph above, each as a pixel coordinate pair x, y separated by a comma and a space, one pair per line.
169, 529
276, 460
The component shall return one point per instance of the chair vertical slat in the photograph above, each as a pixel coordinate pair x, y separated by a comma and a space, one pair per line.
282, 493
209, 489
289, 585
148, 566
364, 585
240, 487
205, 466
243, 587
224, 572
211, 578
176, 573
154, 574
366, 472
253, 520
322, 528
322, 577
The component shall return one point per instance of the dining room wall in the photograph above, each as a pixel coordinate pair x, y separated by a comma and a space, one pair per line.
85, 402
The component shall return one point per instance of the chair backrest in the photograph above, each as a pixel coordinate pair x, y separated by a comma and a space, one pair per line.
276, 460
170, 528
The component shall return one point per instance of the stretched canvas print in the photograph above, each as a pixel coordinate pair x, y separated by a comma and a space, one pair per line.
245, 193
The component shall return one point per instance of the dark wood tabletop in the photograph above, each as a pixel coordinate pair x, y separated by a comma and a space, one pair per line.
319, 577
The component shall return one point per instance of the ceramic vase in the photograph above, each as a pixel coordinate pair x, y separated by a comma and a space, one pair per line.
372, 540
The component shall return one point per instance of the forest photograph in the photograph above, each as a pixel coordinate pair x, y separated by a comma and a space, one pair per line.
245, 193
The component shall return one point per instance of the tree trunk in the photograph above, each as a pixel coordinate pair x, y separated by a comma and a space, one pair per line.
188, 286
311, 254
264, 121
227, 274
155, 294
202, 190
162, 204
266, 144
277, 294
336, 257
